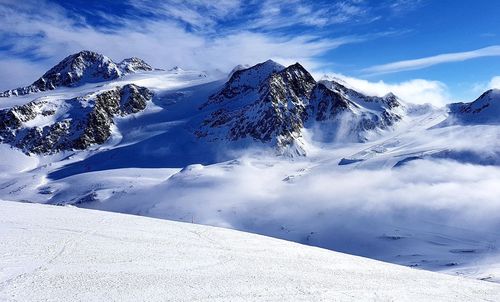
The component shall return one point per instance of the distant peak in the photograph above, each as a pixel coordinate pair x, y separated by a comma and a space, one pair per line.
271, 63
491, 91
86, 55
176, 68
238, 68
132, 59
295, 66
134, 64
87, 52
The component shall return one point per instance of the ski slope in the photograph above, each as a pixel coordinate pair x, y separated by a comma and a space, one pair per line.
51, 253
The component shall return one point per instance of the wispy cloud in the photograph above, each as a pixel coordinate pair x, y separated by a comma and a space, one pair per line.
416, 91
275, 14
403, 6
420, 63
192, 35
201, 15
494, 83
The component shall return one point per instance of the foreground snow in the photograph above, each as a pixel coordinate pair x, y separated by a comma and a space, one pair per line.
64, 253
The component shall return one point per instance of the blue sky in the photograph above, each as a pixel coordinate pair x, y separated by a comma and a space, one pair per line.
426, 51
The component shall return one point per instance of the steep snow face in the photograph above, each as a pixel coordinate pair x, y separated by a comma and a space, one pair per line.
264, 103
484, 110
64, 253
134, 64
50, 125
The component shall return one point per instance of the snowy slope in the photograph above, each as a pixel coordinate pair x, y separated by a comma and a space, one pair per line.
484, 110
50, 253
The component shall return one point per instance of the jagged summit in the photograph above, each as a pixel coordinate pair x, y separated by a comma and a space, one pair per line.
80, 68
273, 104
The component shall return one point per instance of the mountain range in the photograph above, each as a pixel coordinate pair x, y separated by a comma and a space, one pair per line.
252, 149
265, 105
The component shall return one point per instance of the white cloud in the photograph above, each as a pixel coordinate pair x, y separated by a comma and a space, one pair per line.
201, 14
53, 34
494, 83
480, 87
433, 60
16, 72
417, 91
275, 14
426, 202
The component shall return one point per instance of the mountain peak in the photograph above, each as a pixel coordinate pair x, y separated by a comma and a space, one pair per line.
269, 64
484, 110
134, 64
80, 68
491, 93
176, 69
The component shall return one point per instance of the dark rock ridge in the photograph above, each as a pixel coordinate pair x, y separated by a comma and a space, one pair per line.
80, 68
341, 113
266, 103
46, 127
273, 104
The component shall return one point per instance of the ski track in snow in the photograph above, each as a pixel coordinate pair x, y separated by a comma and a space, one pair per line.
50, 253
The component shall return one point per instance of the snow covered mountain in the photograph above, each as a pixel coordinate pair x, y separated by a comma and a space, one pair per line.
484, 110
265, 103
273, 104
66, 253
80, 68
367, 175
345, 114
47, 126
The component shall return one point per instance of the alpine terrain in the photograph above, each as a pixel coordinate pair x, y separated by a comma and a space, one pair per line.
268, 149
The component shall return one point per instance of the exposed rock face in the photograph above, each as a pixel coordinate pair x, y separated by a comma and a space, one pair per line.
345, 114
273, 104
45, 127
267, 104
80, 68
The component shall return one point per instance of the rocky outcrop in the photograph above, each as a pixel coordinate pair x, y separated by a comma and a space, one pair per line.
267, 104
345, 114
273, 104
45, 127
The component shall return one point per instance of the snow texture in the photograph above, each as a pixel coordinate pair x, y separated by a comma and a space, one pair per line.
50, 253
